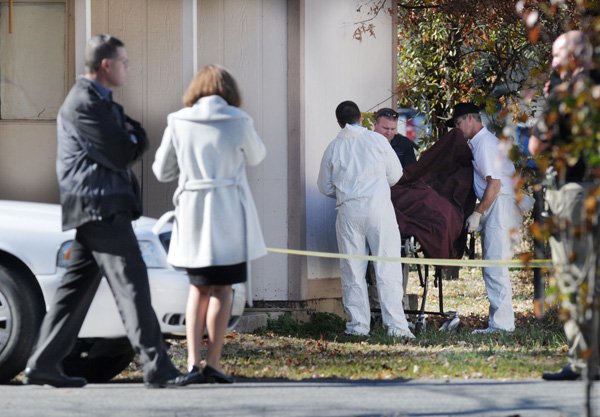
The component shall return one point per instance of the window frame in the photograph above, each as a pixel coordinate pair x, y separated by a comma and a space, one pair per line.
69, 45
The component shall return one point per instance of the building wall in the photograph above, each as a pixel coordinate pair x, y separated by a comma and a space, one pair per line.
27, 161
295, 60
36, 69
152, 33
248, 38
336, 68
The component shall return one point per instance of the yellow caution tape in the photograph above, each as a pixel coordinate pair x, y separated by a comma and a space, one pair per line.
514, 263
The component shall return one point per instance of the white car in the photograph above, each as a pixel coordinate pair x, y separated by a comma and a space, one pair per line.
33, 255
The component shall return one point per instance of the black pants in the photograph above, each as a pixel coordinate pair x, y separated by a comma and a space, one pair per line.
108, 248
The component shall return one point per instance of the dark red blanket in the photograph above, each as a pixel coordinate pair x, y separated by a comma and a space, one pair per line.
435, 196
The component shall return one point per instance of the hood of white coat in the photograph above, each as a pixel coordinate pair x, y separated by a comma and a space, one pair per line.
210, 108
350, 131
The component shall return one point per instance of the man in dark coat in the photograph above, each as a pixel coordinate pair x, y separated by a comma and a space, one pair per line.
97, 145
386, 124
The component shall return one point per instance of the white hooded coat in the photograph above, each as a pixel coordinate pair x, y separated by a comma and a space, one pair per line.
207, 146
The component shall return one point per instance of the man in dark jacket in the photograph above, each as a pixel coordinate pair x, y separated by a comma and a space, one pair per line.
386, 124
97, 144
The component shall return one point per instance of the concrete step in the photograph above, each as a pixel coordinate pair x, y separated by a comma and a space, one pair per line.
252, 320
257, 316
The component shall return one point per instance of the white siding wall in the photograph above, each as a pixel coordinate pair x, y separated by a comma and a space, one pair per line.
248, 37
152, 33
337, 68
28, 161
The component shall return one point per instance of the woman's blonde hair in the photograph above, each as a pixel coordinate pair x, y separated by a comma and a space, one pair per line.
212, 80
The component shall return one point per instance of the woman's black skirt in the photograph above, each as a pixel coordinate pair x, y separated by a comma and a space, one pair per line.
218, 274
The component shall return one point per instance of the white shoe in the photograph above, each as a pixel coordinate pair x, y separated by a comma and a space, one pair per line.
404, 333
490, 330
450, 325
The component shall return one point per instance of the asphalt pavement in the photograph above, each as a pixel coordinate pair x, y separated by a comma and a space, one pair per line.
326, 398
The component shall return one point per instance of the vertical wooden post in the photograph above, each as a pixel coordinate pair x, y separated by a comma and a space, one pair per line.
10, 16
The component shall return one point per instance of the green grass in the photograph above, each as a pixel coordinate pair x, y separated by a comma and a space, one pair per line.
291, 350
319, 349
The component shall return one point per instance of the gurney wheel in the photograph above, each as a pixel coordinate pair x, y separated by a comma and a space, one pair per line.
420, 325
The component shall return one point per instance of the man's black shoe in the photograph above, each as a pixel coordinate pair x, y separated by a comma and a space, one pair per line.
565, 374
55, 379
172, 380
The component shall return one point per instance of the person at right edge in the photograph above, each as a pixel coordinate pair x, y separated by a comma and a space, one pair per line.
207, 145
571, 184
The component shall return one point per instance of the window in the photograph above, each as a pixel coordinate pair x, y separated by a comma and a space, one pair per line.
33, 59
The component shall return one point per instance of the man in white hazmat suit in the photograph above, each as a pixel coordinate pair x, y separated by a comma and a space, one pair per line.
496, 215
358, 168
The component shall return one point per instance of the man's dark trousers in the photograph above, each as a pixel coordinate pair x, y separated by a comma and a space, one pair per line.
106, 247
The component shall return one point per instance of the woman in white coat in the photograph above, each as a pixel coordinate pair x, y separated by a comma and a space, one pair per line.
207, 145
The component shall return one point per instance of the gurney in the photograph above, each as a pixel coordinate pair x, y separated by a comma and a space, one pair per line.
411, 248
431, 201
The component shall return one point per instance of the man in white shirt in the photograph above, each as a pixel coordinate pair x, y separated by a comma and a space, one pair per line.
358, 168
496, 215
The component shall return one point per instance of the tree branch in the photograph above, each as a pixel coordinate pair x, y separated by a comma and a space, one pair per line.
415, 7
379, 4
374, 11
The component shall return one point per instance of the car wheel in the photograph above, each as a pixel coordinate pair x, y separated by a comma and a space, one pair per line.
98, 360
20, 317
